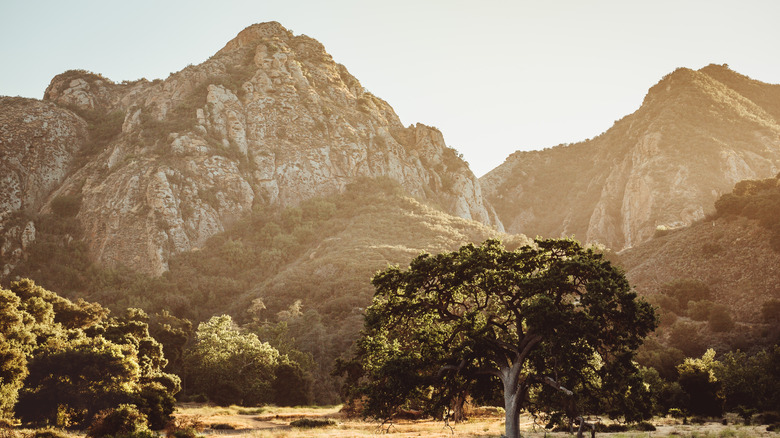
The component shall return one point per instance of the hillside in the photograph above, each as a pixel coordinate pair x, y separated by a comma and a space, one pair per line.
302, 272
726, 264
696, 134
269, 120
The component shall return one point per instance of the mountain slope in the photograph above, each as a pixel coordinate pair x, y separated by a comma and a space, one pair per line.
736, 250
302, 270
695, 135
270, 119
40, 144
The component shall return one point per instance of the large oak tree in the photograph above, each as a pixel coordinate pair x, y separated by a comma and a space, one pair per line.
554, 323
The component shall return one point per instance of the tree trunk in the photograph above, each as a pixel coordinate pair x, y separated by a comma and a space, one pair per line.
457, 409
512, 400
512, 418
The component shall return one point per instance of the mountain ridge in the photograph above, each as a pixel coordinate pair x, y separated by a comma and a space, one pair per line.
270, 119
663, 165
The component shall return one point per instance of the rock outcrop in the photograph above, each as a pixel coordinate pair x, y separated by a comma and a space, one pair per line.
270, 120
40, 144
695, 135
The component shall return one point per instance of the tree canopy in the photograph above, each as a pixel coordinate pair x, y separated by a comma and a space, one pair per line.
64, 361
552, 326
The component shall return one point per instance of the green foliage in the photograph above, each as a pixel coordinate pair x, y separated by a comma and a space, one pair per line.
686, 337
750, 381
685, 291
85, 376
755, 199
698, 380
123, 420
271, 254
539, 318
229, 366
103, 127
75, 361
291, 385
16, 342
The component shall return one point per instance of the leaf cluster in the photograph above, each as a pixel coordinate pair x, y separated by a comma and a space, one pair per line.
66, 360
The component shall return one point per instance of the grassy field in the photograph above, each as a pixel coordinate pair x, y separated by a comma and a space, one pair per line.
269, 422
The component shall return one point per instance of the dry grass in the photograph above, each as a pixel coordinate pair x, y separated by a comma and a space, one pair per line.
274, 422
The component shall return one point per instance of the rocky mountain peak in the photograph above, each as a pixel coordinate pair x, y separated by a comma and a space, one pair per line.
695, 135
255, 34
270, 120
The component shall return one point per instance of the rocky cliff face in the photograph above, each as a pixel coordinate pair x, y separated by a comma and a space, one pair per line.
40, 145
270, 120
695, 135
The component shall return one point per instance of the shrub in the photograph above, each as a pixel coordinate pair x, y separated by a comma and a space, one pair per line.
643, 426
313, 422
611, 428
157, 404
66, 205
770, 310
184, 427
700, 310
769, 418
686, 290
123, 420
720, 320
49, 433
222, 426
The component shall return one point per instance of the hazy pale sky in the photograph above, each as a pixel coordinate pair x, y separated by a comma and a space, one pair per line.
494, 76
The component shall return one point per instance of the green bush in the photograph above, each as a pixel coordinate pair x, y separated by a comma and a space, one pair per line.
687, 290
123, 420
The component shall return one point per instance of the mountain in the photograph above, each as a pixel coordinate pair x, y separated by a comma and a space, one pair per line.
269, 120
301, 273
732, 256
40, 144
695, 135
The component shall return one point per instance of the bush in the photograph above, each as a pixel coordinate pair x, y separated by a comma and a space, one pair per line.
123, 420
222, 426
611, 428
49, 433
700, 310
184, 427
769, 418
643, 426
677, 413
157, 404
720, 320
310, 423
686, 290
66, 205
770, 310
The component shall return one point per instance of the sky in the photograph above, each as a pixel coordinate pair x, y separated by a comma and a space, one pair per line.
494, 76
